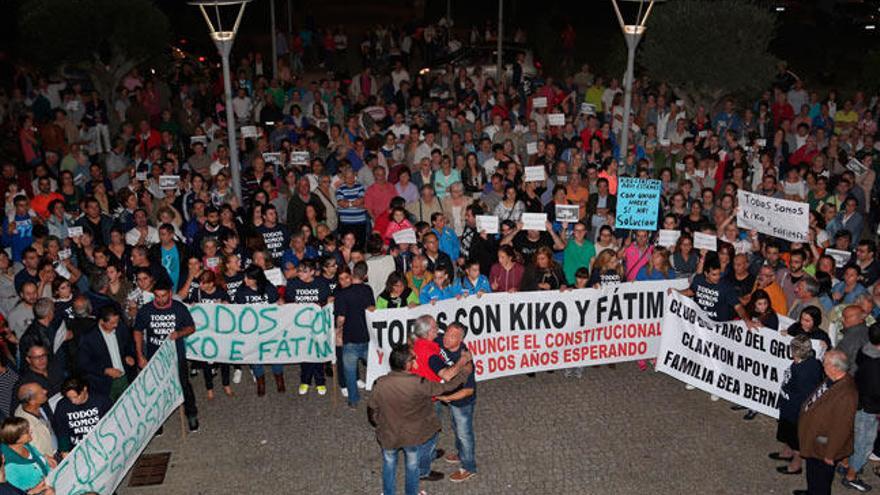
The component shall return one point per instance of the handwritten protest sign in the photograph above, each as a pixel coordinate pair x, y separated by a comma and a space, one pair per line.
405, 236
841, 258
556, 119
708, 242
262, 333
789, 220
667, 238
534, 174
488, 224
534, 221
725, 359
532, 148
168, 182
638, 202
100, 461
523, 332
539, 102
567, 213
249, 132
299, 158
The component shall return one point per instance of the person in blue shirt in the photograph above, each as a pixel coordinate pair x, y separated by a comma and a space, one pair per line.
658, 267
473, 282
298, 252
449, 242
439, 288
727, 119
18, 228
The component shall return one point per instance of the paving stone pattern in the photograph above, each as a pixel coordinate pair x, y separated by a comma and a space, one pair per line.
614, 431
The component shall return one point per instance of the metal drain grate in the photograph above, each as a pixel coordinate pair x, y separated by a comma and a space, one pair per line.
150, 469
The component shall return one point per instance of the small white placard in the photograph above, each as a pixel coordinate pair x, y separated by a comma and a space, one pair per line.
705, 241
556, 119
567, 213
703, 134
588, 109
534, 221
679, 103
667, 238
680, 166
198, 139
249, 131
699, 173
273, 158
534, 174
62, 271
405, 236
665, 142
212, 262
167, 182
761, 142
74, 231
141, 176
65, 253
540, 102
532, 148
487, 223
856, 167
299, 158
841, 258
275, 277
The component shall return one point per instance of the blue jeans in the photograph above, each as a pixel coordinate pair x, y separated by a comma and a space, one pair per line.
463, 427
427, 451
351, 353
865, 430
259, 370
389, 470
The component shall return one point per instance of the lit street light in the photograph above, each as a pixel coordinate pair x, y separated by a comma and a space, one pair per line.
224, 40
633, 34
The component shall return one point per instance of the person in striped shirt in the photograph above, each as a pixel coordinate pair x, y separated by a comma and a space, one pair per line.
352, 213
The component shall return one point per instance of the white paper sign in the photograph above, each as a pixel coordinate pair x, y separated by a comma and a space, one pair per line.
761, 142
841, 258
534, 174
275, 277
74, 231
556, 119
141, 176
405, 236
299, 158
488, 224
664, 142
667, 238
532, 147
789, 220
539, 102
705, 241
169, 181
534, 221
567, 213
249, 131
703, 134
272, 158
212, 262
65, 253
198, 139
588, 109
856, 166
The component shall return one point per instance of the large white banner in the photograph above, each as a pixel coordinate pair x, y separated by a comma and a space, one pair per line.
262, 333
524, 332
100, 461
789, 220
726, 359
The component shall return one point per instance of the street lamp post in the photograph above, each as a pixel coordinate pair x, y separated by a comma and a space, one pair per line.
274, 39
632, 33
500, 68
224, 39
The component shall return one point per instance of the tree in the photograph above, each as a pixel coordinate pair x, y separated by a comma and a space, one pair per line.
708, 49
104, 38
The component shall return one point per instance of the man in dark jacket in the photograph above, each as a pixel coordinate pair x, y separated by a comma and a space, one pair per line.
825, 427
108, 368
867, 378
401, 409
855, 334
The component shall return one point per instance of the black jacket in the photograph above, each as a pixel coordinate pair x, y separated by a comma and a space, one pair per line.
868, 378
94, 358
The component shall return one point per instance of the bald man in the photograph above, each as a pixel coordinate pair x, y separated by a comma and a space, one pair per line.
855, 333
32, 397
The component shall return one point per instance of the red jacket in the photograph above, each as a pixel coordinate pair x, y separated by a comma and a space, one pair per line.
423, 350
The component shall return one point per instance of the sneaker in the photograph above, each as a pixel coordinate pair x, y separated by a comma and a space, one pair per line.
452, 458
236, 376
714, 398
322, 390
193, 372
689, 387
874, 457
193, 423
361, 384
303, 389
461, 475
344, 392
750, 415
856, 484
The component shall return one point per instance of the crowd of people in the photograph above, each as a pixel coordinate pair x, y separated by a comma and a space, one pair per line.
389, 209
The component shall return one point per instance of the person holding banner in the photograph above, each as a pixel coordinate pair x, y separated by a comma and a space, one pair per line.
306, 289
24, 467
209, 292
164, 318
801, 378
256, 289
349, 309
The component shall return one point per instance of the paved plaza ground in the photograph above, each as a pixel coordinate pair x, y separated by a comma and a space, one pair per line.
614, 431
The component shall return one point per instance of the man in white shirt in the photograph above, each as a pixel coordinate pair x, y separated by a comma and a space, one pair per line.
426, 147
398, 74
242, 106
399, 128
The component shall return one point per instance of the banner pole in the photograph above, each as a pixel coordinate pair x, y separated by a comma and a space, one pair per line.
182, 422
335, 390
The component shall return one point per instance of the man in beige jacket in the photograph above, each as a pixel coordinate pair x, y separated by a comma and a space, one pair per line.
402, 411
